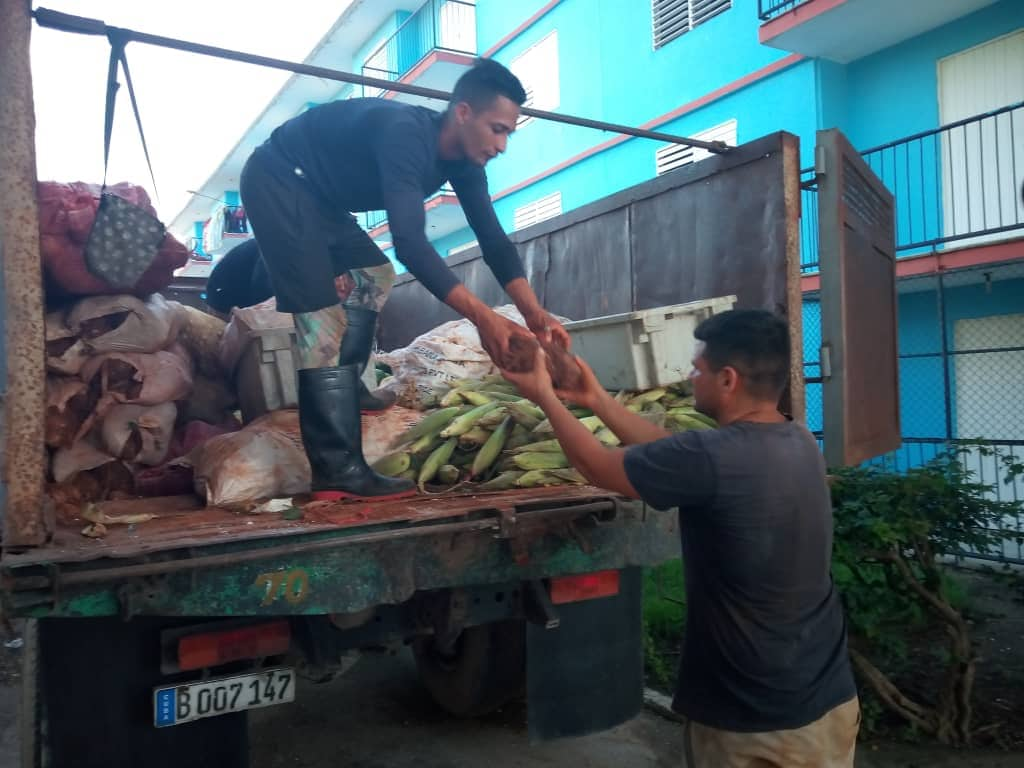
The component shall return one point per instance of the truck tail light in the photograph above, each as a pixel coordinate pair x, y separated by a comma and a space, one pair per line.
572, 589
211, 649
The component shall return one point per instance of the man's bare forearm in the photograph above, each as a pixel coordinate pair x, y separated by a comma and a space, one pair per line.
631, 428
582, 449
522, 296
462, 300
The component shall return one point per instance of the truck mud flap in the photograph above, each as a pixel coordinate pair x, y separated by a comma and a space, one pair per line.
586, 675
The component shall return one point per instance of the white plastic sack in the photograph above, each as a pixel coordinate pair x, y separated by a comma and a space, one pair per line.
69, 409
142, 379
139, 433
258, 462
80, 457
125, 323
266, 460
424, 370
65, 352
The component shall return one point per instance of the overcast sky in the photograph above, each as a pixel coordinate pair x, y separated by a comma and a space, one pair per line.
194, 108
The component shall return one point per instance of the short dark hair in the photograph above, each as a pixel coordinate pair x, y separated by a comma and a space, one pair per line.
753, 341
484, 82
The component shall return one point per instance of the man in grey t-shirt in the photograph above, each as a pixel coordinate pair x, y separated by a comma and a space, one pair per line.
765, 677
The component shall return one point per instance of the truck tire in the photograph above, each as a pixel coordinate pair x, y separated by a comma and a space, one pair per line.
95, 695
486, 671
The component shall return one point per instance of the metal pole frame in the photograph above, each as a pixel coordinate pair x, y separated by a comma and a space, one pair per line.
85, 26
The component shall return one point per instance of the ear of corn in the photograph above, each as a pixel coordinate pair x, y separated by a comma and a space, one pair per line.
649, 396
475, 397
530, 461
493, 419
452, 397
570, 475
462, 424
473, 439
543, 446
448, 475
393, 464
502, 482
425, 444
537, 477
519, 436
488, 454
523, 416
429, 423
685, 422
436, 460
503, 396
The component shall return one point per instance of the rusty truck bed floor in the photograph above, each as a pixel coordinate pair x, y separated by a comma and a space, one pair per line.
181, 522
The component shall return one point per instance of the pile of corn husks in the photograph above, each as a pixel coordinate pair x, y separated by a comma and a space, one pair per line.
486, 433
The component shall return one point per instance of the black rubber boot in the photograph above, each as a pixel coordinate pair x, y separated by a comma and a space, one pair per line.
356, 346
332, 435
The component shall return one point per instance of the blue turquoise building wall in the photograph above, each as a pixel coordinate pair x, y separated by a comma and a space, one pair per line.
609, 70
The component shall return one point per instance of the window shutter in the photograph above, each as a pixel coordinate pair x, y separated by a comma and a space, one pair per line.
673, 18
674, 156
546, 207
537, 70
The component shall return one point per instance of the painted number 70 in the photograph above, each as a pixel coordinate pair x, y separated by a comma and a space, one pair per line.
294, 584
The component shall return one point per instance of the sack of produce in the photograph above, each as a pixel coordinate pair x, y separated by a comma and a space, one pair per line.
425, 369
69, 409
125, 323
142, 379
139, 433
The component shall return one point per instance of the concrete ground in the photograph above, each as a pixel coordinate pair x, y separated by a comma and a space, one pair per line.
378, 716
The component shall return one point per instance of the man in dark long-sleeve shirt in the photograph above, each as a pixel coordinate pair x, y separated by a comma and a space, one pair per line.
300, 189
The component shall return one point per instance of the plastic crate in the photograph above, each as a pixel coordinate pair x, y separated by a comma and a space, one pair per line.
645, 349
265, 376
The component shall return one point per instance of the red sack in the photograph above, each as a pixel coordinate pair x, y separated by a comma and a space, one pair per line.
66, 214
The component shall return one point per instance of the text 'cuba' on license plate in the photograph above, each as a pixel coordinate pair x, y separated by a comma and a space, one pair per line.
174, 705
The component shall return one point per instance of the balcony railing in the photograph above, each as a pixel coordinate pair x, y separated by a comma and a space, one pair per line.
957, 184
769, 9
439, 25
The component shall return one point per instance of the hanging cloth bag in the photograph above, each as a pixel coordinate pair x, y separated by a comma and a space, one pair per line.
124, 239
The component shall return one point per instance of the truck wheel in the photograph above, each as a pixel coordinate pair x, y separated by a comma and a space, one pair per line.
95, 693
486, 670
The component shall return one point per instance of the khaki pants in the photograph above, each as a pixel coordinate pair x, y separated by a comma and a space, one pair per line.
828, 742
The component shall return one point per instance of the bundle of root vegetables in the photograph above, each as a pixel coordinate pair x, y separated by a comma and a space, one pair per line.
487, 435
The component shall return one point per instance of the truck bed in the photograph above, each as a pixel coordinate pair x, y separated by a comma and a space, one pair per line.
183, 523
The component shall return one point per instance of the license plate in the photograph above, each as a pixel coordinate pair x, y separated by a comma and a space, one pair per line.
179, 704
